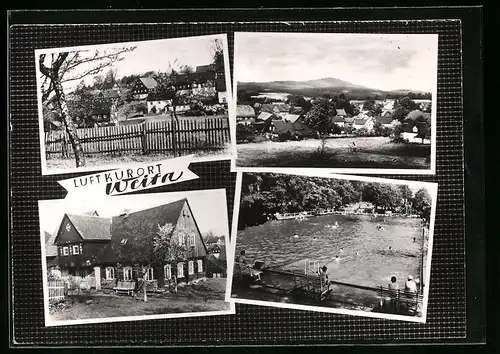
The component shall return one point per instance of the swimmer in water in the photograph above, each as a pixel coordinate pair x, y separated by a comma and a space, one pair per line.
414, 239
341, 250
315, 238
295, 236
357, 253
390, 248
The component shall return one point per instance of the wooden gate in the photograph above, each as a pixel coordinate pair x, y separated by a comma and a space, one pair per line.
57, 290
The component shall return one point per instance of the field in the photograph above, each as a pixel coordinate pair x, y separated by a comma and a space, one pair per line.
371, 152
202, 297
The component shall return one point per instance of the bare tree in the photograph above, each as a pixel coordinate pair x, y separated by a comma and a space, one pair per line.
62, 69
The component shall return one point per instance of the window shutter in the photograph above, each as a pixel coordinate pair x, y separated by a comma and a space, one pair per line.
180, 270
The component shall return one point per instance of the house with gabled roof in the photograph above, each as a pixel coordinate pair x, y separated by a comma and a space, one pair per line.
292, 118
341, 112
124, 247
159, 101
142, 86
385, 121
339, 120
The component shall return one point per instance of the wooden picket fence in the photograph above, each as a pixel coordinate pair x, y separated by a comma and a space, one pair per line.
56, 290
191, 135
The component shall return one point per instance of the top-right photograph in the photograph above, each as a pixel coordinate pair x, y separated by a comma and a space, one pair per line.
344, 102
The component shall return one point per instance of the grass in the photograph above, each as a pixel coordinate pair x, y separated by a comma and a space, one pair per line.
371, 152
202, 297
104, 160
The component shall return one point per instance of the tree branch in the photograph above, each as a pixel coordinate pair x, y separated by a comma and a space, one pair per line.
43, 69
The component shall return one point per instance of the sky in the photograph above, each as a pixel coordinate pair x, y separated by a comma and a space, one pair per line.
150, 55
386, 62
208, 217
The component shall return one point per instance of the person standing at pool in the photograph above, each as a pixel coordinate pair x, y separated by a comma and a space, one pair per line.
410, 285
337, 261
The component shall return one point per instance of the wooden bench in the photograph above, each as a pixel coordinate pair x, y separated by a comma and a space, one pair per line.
247, 269
125, 287
398, 297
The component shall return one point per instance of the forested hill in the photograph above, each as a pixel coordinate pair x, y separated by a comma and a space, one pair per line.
264, 194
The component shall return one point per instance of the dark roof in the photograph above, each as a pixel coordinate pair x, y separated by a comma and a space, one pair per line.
139, 229
91, 227
383, 120
160, 96
47, 236
282, 126
149, 82
338, 119
203, 68
244, 111
302, 128
109, 93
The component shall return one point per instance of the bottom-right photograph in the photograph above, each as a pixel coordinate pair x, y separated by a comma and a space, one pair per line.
334, 243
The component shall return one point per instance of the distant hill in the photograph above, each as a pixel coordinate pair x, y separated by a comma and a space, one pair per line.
319, 87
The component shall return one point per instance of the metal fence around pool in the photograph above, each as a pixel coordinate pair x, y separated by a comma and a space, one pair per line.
187, 136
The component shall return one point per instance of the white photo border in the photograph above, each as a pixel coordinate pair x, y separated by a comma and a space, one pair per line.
430, 171
232, 310
57, 171
433, 190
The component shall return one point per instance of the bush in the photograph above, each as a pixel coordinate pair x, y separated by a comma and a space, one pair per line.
336, 129
286, 136
153, 109
396, 136
348, 129
362, 132
380, 130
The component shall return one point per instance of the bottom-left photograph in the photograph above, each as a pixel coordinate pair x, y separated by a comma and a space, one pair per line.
135, 257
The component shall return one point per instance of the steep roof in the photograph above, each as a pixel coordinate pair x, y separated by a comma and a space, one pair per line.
149, 82
50, 247
291, 117
282, 126
338, 119
265, 115
302, 128
243, 110
358, 121
349, 120
204, 68
341, 112
140, 227
91, 227
383, 120
160, 96
282, 107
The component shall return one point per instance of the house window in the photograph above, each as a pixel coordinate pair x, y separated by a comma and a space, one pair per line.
110, 273
76, 249
200, 265
190, 267
167, 270
182, 241
180, 270
149, 274
65, 250
191, 240
127, 273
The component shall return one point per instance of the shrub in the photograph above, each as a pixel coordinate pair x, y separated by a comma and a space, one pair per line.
362, 132
153, 109
286, 136
348, 129
380, 130
396, 136
336, 129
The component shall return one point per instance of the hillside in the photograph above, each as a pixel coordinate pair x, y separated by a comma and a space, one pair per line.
331, 86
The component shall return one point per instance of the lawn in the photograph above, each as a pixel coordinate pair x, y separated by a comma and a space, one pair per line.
371, 152
202, 297
53, 163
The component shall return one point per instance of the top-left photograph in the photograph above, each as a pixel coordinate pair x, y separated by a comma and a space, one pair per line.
102, 106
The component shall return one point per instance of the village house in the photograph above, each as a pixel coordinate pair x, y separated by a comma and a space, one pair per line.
245, 114
159, 101
216, 261
108, 250
205, 81
277, 108
340, 121
263, 121
292, 118
363, 123
341, 112
385, 121
143, 86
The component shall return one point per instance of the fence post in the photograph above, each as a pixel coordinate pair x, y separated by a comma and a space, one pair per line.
97, 273
174, 137
144, 138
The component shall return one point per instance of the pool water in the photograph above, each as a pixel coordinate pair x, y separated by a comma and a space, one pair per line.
394, 250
